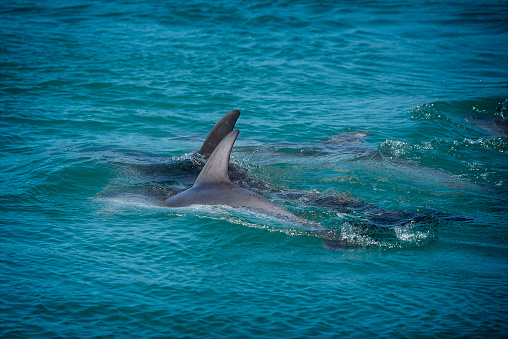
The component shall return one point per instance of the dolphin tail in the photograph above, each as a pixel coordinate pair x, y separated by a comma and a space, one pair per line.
222, 128
216, 168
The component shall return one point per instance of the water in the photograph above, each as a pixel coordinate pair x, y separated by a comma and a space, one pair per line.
380, 120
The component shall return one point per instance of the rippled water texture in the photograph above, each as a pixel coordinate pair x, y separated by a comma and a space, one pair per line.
379, 122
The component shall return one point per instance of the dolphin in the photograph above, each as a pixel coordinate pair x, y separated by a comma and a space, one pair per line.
213, 186
498, 124
222, 128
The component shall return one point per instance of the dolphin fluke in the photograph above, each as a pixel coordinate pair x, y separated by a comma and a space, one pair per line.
213, 187
222, 128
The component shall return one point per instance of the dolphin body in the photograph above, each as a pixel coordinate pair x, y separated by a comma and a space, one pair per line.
222, 128
498, 124
213, 186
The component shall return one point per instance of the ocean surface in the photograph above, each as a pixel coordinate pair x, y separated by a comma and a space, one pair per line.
379, 121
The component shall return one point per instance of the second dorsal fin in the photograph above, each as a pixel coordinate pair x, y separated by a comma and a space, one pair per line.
216, 168
222, 128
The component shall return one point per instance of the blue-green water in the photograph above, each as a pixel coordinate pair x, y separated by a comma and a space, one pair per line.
101, 103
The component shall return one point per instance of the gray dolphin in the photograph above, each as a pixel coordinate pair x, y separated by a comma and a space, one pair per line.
213, 186
222, 128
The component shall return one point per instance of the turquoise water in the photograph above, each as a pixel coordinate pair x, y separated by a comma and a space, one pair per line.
379, 120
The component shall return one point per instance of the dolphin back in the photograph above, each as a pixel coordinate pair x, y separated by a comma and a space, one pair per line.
216, 168
222, 128
213, 187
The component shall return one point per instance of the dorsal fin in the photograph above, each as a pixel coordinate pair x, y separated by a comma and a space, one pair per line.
216, 168
222, 128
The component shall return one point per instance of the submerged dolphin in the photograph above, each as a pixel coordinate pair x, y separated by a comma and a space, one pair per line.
213, 186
